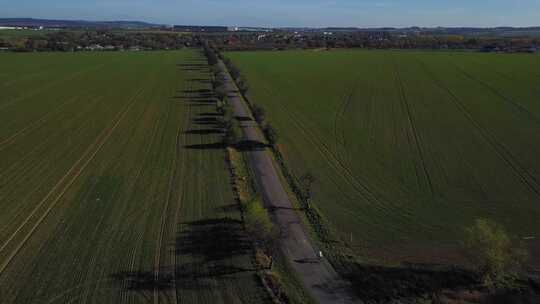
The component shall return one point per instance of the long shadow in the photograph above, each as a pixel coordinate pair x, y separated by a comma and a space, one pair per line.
204, 96
243, 118
272, 208
201, 80
196, 100
246, 145
205, 131
250, 145
193, 65
211, 114
211, 146
195, 104
383, 284
206, 249
212, 243
208, 244
229, 208
144, 280
196, 67
206, 119
196, 91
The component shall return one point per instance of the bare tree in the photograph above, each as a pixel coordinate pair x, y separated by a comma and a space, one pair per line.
306, 183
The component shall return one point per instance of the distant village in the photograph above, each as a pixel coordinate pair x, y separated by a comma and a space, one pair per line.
56, 36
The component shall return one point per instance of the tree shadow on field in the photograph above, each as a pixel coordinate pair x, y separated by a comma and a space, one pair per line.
211, 146
206, 120
229, 208
250, 145
144, 280
210, 245
214, 114
201, 80
243, 118
207, 247
242, 146
196, 96
381, 284
196, 66
205, 131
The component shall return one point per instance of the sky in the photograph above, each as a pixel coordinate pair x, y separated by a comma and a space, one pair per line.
282, 13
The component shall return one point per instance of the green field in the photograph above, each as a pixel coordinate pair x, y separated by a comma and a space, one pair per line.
409, 147
107, 192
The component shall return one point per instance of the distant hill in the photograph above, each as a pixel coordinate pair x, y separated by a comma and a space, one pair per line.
465, 31
51, 23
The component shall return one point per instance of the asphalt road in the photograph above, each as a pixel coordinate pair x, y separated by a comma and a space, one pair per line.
318, 277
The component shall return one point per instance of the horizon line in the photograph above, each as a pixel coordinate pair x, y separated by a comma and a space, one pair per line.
274, 27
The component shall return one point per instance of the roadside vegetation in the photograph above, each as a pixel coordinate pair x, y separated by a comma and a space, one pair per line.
93, 40
274, 271
407, 39
496, 256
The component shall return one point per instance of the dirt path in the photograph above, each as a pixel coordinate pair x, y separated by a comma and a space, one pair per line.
318, 277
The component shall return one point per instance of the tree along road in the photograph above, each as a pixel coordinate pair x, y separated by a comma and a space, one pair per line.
317, 275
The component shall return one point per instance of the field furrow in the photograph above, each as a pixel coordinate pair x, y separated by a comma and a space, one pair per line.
98, 180
409, 146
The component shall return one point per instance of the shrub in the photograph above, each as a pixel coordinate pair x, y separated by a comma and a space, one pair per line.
259, 113
270, 134
221, 92
496, 258
259, 226
242, 85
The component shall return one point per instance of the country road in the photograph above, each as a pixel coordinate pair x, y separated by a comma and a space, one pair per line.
317, 275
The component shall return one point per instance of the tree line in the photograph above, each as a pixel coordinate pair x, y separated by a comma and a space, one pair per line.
70, 41
370, 40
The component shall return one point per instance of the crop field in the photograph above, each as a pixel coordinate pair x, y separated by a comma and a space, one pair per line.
408, 147
112, 186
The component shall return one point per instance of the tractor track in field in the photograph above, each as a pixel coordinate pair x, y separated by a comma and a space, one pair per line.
504, 75
339, 165
139, 237
495, 144
100, 141
179, 199
44, 71
339, 117
94, 258
50, 85
16, 164
157, 259
342, 170
26, 77
8, 141
521, 109
138, 175
339, 131
23, 170
85, 292
70, 290
416, 136
334, 161
172, 179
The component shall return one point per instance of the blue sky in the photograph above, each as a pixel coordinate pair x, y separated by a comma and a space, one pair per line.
361, 13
